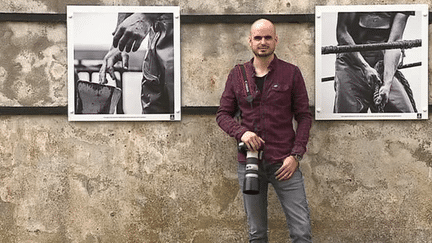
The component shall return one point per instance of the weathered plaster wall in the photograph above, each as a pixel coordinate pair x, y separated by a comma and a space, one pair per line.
60, 181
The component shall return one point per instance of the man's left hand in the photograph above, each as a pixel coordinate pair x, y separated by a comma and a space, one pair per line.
383, 95
287, 169
111, 58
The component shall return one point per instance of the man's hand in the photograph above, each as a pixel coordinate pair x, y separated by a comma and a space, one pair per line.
383, 95
131, 32
252, 141
371, 75
287, 169
111, 58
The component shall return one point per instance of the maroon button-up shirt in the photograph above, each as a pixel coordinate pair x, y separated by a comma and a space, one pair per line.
270, 114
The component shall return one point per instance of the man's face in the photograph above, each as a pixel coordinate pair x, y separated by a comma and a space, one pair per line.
263, 39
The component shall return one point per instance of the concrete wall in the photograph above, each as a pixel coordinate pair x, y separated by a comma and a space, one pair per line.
60, 181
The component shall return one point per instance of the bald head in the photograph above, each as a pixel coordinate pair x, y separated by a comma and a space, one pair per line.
263, 24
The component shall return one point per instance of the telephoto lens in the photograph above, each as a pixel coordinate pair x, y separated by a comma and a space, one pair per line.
251, 180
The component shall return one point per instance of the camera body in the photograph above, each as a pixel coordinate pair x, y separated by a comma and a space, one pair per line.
251, 180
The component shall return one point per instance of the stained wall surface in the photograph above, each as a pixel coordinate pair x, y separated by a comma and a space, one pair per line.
60, 181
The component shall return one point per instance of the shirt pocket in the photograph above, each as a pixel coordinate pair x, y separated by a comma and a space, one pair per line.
280, 95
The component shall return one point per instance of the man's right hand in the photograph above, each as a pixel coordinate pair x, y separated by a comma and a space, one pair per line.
372, 75
252, 141
129, 35
111, 58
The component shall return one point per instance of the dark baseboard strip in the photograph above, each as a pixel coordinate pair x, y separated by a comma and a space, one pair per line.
62, 110
33, 17
199, 110
44, 110
246, 18
184, 18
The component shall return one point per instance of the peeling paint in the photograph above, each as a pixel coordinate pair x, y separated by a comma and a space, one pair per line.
424, 153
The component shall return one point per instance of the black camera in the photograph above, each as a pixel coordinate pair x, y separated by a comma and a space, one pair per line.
251, 180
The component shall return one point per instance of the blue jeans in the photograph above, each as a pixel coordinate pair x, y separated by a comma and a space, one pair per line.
292, 196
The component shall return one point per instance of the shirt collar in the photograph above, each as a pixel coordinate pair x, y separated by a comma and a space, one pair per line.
272, 65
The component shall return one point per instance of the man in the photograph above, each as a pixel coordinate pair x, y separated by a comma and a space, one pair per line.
369, 80
157, 86
277, 94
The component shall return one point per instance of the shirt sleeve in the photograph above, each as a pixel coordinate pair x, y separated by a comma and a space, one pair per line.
228, 108
302, 114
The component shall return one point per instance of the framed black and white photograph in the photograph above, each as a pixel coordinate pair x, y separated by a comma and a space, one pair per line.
371, 62
124, 63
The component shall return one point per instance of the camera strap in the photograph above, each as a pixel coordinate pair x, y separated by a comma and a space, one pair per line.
249, 97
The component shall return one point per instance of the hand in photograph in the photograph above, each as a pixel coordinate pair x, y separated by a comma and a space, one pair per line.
131, 32
111, 58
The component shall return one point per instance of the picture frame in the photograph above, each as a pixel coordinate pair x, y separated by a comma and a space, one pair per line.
148, 88
344, 94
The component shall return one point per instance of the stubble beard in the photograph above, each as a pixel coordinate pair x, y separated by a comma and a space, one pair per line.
263, 55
